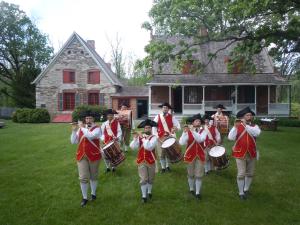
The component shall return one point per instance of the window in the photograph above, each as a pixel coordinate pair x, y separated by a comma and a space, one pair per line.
193, 95
69, 76
93, 98
94, 77
69, 101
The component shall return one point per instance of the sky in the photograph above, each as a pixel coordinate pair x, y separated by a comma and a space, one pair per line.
99, 20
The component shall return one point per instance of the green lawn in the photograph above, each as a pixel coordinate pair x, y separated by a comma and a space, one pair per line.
39, 185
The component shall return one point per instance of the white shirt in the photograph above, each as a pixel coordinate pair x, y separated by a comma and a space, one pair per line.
96, 133
198, 137
119, 131
253, 131
148, 145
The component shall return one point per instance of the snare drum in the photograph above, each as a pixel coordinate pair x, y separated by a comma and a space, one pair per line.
218, 157
113, 153
173, 149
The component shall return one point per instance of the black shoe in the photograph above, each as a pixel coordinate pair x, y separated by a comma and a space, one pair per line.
242, 197
198, 196
107, 170
144, 200
163, 170
94, 197
150, 195
246, 193
113, 169
168, 169
206, 173
83, 202
192, 192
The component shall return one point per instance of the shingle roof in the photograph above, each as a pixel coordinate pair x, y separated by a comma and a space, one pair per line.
132, 91
219, 79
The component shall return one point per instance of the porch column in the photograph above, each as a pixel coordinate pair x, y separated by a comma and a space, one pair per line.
203, 99
255, 98
268, 99
182, 100
236, 98
149, 105
170, 91
289, 89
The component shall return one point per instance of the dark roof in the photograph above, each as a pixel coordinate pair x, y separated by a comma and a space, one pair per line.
219, 79
262, 60
132, 91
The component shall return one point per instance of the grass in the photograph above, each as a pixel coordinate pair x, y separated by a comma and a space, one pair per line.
39, 185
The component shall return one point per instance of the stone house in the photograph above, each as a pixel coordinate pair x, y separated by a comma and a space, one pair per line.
77, 75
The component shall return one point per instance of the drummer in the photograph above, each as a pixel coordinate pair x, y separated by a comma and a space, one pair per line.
167, 125
213, 138
86, 135
146, 143
221, 120
194, 155
111, 131
126, 129
244, 134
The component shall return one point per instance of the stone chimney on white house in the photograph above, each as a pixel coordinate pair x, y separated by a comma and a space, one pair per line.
91, 43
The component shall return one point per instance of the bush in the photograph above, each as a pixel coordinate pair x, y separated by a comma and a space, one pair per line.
289, 122
95, 109
31, 116
39, 116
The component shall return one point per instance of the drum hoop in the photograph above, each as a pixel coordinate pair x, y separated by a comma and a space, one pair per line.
167, 140
216, 147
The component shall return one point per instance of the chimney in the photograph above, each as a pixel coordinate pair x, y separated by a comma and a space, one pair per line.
203, 32
91, 43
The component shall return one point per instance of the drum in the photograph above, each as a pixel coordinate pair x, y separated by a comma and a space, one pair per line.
124, 117
218, 157
113, 153
222, 123
173, 149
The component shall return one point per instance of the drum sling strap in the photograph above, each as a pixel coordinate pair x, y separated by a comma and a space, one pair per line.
210, 135
109, 131
164, 123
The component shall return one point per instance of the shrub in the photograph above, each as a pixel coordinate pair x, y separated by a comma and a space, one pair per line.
95, 109
31, 116
39, 116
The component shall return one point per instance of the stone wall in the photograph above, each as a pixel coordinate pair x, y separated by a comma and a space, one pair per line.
76, 58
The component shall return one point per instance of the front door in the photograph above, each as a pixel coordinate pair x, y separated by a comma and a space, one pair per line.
177, 99
142, 108
262, 100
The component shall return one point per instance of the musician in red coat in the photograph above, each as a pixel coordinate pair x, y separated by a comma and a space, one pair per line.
88, 157
145, 143
244, 134
111, 131
213, 138
167, 125
194, 155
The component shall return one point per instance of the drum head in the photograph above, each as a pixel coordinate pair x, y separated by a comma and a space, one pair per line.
108, 145
217, 151
169, 142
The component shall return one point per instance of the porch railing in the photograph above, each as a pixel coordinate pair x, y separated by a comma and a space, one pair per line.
279, 109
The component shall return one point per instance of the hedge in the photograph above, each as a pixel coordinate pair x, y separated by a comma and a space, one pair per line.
97, 110
26, 115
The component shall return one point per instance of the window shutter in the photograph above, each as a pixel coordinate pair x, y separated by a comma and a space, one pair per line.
77, 99
65, 77
97, 77
60, 101
101, 99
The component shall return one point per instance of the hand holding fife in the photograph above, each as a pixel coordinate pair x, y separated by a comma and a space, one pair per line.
173, 130
74, 126
185, 128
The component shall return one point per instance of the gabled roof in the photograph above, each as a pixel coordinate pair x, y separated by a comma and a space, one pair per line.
99, 61
219, 79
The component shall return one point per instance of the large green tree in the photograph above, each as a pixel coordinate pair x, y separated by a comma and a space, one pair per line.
249, 25
24, 51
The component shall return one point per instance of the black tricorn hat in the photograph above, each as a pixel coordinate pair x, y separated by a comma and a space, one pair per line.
220, 106
147, 122
196, 117
124, 104
110, 111
88, 113
165, 104
244, 111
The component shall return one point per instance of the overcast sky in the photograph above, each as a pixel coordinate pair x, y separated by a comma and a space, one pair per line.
99, 20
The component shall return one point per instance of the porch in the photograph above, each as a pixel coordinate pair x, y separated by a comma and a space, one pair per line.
187, 100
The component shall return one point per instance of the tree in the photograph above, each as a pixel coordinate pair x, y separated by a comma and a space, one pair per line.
249, 25
24, 51
117, 57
